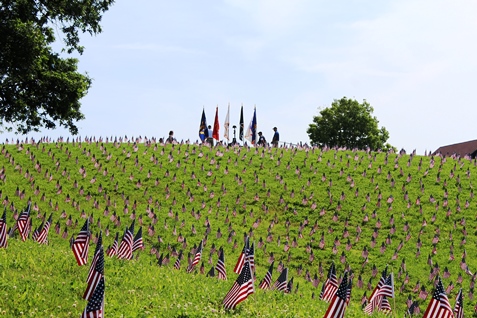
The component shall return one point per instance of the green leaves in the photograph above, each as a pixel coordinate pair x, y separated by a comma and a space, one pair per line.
38, 88
348, 123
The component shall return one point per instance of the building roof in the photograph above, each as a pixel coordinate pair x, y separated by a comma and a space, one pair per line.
460, 149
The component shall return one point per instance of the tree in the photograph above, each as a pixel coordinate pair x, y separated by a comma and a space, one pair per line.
38, 87
347, 123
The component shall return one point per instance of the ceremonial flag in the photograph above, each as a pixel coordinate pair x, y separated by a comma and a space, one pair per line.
138, 242
203, 133
220, 267
24, 223
96, 275
459, 305
3, 229
241, 125
227, 125
125, 248
80, 245
281, 283
215, 132
113, 250
439, 305
337, 306
94, 309
251, 134
241, 259
240, 290
43, 235
196, 260
330, 285
267, 280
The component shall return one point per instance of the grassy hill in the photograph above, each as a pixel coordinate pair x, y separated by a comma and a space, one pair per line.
303, 208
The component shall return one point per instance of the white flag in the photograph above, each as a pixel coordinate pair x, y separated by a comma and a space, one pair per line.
227, 124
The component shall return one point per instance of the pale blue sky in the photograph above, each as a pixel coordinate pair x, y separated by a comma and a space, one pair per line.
158, 63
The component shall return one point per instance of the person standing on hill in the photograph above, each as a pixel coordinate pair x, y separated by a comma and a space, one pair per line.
171, 138
261, 139
210, 139
276, 137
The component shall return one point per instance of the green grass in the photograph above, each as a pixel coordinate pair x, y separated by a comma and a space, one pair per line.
45, 280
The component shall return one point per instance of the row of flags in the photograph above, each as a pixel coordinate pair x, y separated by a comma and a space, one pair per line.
337, 295
124, 250
250, 134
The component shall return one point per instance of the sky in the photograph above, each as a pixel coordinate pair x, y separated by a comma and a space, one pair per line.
158, 64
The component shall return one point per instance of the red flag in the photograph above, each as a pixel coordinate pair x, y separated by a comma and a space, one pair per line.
215, 132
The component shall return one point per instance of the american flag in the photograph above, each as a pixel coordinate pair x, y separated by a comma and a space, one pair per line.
439, 305
113, 250
3, 229
95, 275
281, 283
196, 260
381, 282
24, 223
220, 267
413, 309
337, 306
36, 232
459, 305
138, 242
241, 260
383, 291
177, 263
99, 246
267, 280
289, 286
240, 290
125, 248
94, 309
330, 285
251, 257
43, 235
80, 245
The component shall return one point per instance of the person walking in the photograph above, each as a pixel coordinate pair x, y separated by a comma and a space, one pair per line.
276, 137
210, 139
261, 139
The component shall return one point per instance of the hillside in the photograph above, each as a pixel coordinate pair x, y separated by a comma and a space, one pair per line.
303, 208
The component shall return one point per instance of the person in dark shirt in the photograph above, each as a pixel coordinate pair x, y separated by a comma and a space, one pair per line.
276, 137
171, 138
261, 139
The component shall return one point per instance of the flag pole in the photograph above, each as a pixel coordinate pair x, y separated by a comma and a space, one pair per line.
394, 296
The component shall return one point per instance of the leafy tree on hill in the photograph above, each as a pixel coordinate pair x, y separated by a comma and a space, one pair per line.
347, 123
38, 87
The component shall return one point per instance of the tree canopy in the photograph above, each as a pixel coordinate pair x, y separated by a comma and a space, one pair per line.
348, 123
38, 87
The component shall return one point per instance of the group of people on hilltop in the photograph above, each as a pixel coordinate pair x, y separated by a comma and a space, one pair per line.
261, 138
275, 139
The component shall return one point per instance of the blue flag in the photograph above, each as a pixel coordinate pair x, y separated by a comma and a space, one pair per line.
203, 133
251, 134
